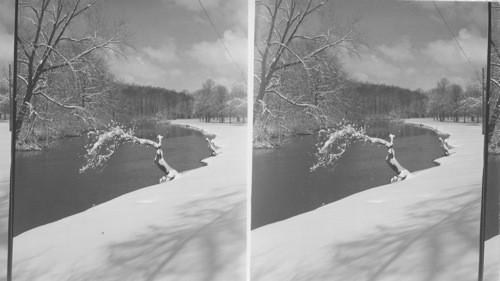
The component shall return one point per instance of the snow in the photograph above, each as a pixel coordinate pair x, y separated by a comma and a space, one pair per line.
4, 195
192, 228
424, 228
492, 259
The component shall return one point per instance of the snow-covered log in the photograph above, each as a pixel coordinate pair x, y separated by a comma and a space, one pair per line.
446, 147
337, 142
211, 147
106, 143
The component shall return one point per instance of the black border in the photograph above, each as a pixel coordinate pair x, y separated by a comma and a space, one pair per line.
486, 121
13, 141
12, 153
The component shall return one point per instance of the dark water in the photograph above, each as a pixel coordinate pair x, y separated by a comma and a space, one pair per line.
48, 186
282, 185
493, 196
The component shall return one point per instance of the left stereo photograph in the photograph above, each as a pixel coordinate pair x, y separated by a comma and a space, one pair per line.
7, 17
131, 139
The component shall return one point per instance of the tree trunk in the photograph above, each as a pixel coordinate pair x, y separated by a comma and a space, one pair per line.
493, 119
330, 151
23, 110
211, 147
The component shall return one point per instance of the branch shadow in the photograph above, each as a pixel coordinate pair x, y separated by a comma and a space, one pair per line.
436, 238
206, 243
421, 241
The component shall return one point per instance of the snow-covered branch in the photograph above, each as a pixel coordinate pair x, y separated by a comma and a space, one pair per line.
107, 142
335, 143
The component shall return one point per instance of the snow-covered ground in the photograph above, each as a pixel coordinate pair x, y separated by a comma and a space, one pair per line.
492, 259
193, 228
424, 228
4, 195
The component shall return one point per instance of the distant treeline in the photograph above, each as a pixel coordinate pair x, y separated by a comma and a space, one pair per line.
142, 101
445, 101
387, 100
4, 98
211, 102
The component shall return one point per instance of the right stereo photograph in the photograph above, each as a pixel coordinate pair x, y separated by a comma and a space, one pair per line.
375, 145
491, 199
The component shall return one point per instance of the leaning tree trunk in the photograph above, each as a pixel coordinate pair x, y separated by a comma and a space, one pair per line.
401, 172
337, 142
211, 147
445, 146
170, 173
107, 142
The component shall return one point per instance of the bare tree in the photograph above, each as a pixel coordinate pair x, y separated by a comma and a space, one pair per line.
203, 101
494, 102
299, 82
4, 91
439, 100
455, 97
282, 42
238, 102
473, 100
219, 101
61, 37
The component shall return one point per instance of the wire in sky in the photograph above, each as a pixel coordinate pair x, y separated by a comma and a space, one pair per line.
453, 35
222, 41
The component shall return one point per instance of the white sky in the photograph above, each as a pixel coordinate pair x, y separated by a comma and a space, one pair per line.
6, 32
176, 47
410, 45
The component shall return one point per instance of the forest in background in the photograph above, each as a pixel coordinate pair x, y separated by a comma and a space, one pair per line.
4, 92
446, 101
302, 86
494, 82
212, 102
65, 87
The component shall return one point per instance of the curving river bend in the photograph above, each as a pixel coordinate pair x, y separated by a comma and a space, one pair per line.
283, 187
48, 186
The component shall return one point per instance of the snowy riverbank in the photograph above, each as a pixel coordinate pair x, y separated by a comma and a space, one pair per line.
4, 195
424, 228
193, 228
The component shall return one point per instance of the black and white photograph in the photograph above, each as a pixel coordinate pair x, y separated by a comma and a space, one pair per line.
266, 140
7, 16
367, 140
130, 140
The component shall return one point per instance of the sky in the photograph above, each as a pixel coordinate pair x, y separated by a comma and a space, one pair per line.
6, 32
409, 45
175, 46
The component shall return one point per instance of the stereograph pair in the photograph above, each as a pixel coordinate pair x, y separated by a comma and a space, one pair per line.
242, 140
